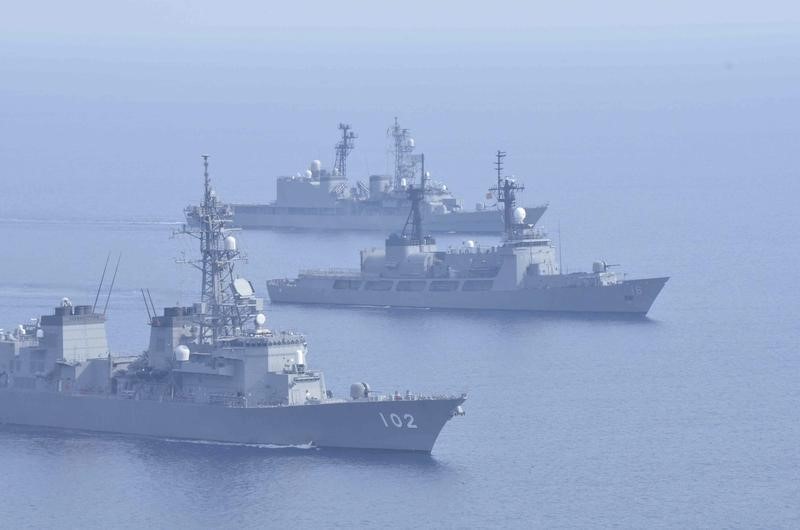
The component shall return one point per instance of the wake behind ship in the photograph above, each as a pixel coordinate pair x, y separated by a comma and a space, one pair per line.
213, 371
521, 273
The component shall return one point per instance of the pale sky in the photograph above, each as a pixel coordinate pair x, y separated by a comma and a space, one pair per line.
120, 17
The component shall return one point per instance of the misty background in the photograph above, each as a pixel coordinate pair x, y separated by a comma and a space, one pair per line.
105, 109
663, 135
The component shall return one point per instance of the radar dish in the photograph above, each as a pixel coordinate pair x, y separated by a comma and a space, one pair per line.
243, 288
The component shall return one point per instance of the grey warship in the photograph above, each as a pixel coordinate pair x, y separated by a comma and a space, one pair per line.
213, 371
325, 199
521, 273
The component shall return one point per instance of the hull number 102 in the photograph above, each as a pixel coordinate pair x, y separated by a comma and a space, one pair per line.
395, 420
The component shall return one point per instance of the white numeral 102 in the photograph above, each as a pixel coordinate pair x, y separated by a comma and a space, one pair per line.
406, 421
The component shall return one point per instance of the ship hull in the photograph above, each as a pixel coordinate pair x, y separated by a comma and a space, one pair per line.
346, 424
264, 216
628, 297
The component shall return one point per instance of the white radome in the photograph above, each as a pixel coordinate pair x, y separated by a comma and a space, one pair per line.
261, 319
230, 243
519, 215
182, 353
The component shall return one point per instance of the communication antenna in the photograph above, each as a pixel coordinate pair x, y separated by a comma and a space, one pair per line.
152, 305
499, 167
113, 281
343, 148
147, 307
102, 279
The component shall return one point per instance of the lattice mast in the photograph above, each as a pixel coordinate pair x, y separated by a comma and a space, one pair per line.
413, 227
506, 191
402, 148
343, 149
223, 316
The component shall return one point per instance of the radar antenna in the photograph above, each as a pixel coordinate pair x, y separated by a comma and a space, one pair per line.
226, 312
506, 190
343, 148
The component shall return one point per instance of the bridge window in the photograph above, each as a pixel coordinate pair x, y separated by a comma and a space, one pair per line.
347, 284
379, 285
411, 285
443, 285
477, 285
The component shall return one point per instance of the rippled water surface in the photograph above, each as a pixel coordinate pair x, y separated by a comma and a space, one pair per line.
668, 162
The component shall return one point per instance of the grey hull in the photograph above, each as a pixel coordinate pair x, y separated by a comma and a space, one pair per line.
630, 296
252, 216
347, 424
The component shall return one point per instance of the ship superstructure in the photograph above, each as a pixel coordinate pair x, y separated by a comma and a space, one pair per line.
212, 371
319, 198
522, 272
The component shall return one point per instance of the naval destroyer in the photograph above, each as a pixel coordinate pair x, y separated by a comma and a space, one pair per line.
325, 199
213, 371
520, 273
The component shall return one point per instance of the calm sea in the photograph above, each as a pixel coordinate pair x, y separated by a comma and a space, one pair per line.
671, 155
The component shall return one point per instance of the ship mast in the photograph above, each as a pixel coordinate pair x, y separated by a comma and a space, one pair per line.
506, 190
403, 146
223, 314
413, 227
343, 149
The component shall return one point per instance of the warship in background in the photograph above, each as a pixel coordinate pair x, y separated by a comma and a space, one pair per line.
323, 199
521, 273
212, 371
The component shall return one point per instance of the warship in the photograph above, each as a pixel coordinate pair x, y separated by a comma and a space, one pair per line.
520, 273
324, 199
213, 371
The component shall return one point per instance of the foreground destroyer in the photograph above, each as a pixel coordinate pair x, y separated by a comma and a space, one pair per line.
325, 199
213, 371
522, 273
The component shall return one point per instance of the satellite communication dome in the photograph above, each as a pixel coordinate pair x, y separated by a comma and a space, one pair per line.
315, 166
308, 173
519, 215
182, 352
427, 174
261, 319
410, 142
403, 183
230, 243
